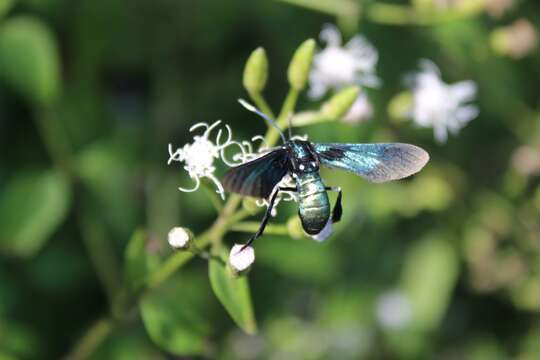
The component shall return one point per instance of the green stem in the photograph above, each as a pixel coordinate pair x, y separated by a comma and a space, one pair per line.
261, 103
175, 261
101, 254
287, 110
54, 139
91, 339
253, 226
216, 231
391, 14
213, 196
332, 7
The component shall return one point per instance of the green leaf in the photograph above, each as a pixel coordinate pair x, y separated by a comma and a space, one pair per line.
32, 206
127, 342
174, 315
5, 6
428, 279
139, 260
29, 59
313, 262
233, 292
105, 167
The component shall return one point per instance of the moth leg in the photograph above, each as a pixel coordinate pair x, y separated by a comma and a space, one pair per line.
288, 189
338, 209
265, 219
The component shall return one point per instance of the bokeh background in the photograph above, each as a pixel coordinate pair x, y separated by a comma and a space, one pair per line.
444, 265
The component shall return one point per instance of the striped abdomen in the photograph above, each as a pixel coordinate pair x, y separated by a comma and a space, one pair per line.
313, 204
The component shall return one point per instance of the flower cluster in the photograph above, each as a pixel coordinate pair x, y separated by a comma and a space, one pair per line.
439, 105
199, 156
337, 66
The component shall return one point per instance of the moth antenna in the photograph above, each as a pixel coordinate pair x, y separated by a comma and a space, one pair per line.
270, 122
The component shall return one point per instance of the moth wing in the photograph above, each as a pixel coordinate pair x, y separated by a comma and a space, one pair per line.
258, 177
377, 162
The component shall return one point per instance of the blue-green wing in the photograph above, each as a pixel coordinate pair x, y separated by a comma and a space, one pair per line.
258, 177
374, 162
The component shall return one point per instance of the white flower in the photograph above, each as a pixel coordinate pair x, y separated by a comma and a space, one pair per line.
325, 232
179, 238
360, 111
199, 156
337, 66
241, 258
440, 105
393, 310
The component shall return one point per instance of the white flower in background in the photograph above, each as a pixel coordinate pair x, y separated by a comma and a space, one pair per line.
241, 258
360, 111
393, 310
179, 238
337, 66
199, 156
439, 105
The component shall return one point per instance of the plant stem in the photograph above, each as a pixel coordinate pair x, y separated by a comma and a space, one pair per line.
253, 226
332, 7
261, 103
91, 339
287, 110
54, 139
214, 198
391, 14
101, 253
174, 262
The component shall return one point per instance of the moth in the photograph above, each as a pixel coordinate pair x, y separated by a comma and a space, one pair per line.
375, 162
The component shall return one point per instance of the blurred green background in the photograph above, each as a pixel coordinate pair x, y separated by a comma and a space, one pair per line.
444, 265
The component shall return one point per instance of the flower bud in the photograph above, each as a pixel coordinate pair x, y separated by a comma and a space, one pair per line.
340, 103
256, 71
240, 258
300, 65
180, 238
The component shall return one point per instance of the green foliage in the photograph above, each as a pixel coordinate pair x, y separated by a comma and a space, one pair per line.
176, 317
29, 59
428, 279
5, 6
32, 206
139, 260
233, 293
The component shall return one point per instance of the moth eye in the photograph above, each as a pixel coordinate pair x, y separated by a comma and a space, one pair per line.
301, 167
